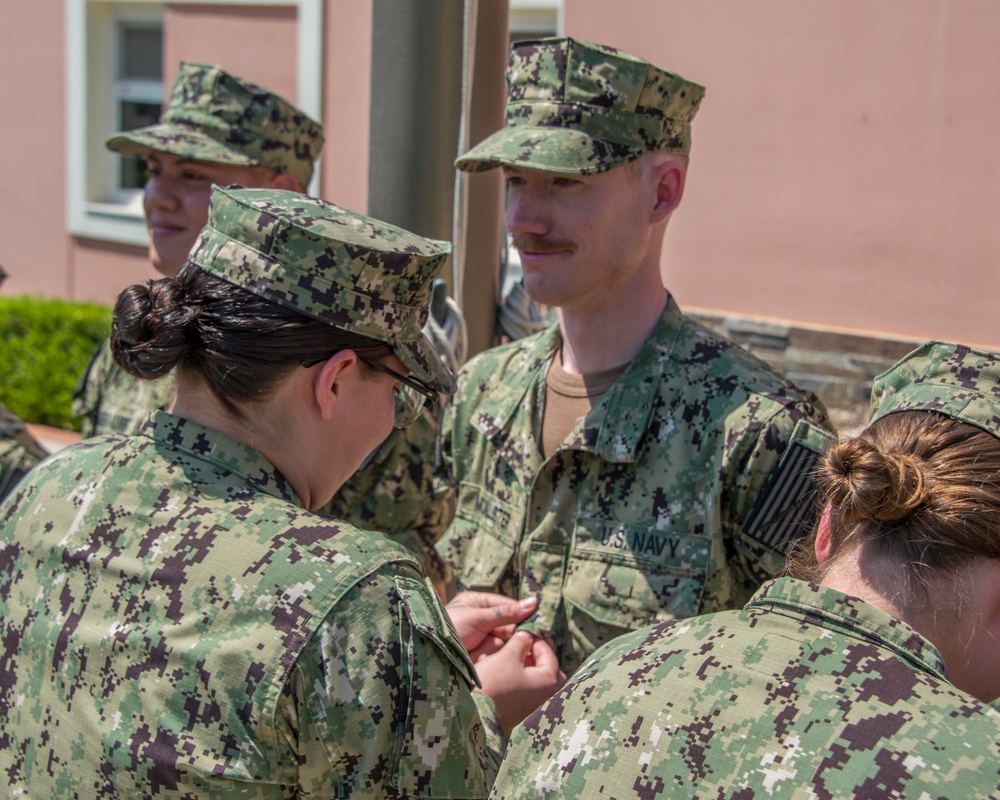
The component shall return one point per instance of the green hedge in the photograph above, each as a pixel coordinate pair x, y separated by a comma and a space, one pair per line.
46, 345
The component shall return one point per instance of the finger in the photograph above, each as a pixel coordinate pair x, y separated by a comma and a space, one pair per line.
489, 646
544, 657
479, 599
519, 645
504, 632
511, 612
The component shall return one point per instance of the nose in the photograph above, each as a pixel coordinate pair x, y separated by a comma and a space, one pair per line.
160, 193
526, 210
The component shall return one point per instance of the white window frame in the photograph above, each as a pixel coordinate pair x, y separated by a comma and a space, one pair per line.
86, 28
143, 91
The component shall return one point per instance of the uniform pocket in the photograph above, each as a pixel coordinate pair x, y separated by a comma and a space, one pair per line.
443, 752
481, 540
628, 576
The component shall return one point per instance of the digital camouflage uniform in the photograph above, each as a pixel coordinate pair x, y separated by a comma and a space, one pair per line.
807, 693
176, 624
109, 400
681, 489
214, 116
676, 495
393, 493
19, 452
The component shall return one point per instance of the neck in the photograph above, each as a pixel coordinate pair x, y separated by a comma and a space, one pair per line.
960, 617
196, 402
594, 342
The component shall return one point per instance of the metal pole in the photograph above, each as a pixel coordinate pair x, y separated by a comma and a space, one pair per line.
478, 254
415, 109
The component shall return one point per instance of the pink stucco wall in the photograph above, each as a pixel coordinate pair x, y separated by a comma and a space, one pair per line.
258, 43
845, 168
34, 248
347, 103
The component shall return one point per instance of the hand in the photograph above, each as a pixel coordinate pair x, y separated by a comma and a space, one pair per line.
485, 621
519, 677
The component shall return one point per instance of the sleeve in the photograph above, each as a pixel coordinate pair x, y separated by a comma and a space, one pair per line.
394, 494
387, 703
770, 495
86, 399
19, 452
15, 463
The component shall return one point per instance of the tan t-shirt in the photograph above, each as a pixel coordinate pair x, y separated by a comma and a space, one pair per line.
568, 398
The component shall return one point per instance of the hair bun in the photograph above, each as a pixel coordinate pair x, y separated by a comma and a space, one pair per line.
150, 332
867, 484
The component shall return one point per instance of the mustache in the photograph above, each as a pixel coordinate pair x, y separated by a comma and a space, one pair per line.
538, 244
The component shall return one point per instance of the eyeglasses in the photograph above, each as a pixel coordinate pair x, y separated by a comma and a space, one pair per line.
411, 395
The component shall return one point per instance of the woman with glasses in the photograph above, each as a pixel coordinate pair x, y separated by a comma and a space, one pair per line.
871, 674
177, 622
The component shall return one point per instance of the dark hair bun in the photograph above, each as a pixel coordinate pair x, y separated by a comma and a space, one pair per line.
151, 329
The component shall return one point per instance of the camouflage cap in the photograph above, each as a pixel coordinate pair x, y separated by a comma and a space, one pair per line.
581, 108
214, 116
958, 381
348, 270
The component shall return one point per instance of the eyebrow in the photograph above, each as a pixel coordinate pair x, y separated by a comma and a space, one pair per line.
181, 161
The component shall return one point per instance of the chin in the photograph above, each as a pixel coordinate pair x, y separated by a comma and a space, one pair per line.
542, 293
167, 270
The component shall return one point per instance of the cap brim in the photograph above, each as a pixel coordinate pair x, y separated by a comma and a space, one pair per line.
177, 141
552, 149
424, 364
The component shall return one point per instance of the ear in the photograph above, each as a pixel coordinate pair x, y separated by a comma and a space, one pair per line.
330, 381
824, 537
285, 181
669, 175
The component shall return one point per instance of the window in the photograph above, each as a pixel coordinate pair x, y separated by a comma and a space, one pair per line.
138, 93
115, 81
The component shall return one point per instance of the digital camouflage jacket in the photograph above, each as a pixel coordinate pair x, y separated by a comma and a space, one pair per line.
19, 452
393, 493
175, 624
109, 400
676, 495
807, 693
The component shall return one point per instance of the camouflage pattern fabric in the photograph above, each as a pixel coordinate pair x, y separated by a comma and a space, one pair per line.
176, 625
109, 400
807, 693
217, 117
952, 379
676, 495
19, 452
581, 108
351, 271
393, 493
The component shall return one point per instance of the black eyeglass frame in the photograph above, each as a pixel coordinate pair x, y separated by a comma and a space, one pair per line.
430, 396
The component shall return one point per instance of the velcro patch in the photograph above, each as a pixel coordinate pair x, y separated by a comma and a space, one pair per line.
786, 510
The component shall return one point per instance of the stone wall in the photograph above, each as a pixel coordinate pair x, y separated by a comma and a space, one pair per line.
839, 367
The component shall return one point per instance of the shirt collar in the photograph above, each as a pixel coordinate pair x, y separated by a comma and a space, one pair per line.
614, 428
219, 450
851, 616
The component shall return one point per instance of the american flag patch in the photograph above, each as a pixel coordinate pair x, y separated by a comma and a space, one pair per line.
786, 510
